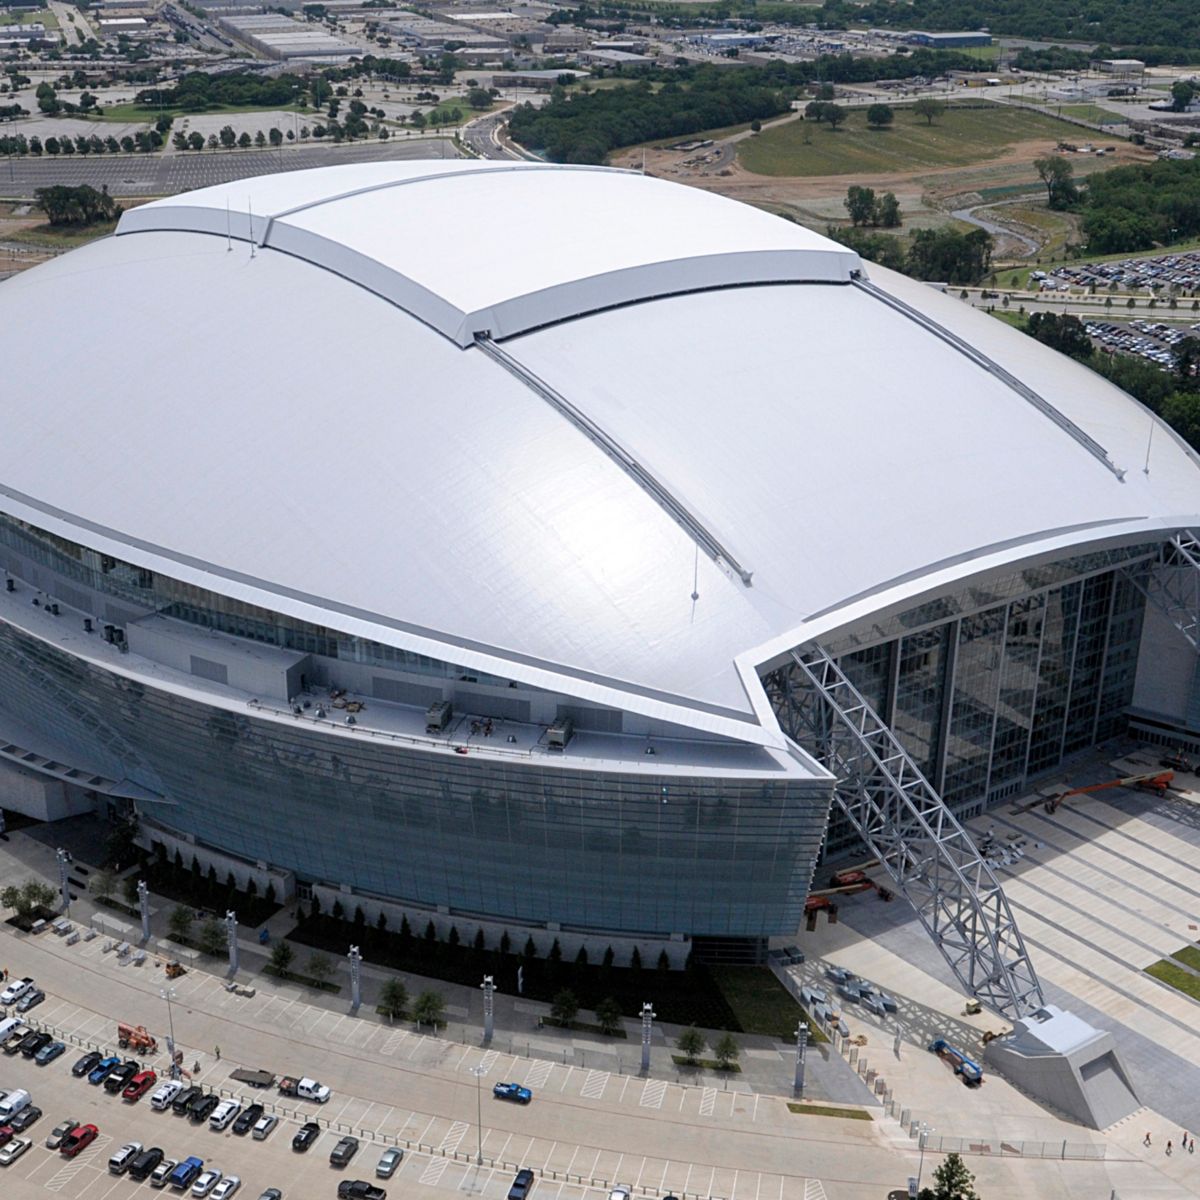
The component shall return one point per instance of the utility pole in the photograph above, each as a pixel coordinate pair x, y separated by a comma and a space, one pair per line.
647, 1031
64, 862
479, 1071
489, 1007
143, 893
801, 1053
168, 994
355, 979
231, 940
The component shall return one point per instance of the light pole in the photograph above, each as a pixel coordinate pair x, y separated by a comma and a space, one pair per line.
922, 1138
647, 1032
355, 979
168, 994
801, 1050
479, 1071
143, 893
489, 1008
231, 938
64, 862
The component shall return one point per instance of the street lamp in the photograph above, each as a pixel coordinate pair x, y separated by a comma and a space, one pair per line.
922, 1138
168, 994
479, 1071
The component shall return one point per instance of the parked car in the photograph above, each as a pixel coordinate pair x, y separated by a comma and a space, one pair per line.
271, 1194
161, 1173
620, 1192
223, 1115
306, 1135
360, 1189
139, 1085
512, 1091
183, 1175
145, 1163
226, 1187
80, 1138
24, 1118
247, 1119
164, 1094
184, 1098
31, 999
389, 1160
86, 1064
344, 1151
521, 1184
118, 1077
13, 1149
264, 1125
15, 990
33, 1042
99, 1073
120, 1161
55, 1136
12, 1043
202, 1107
206, 1181
49, 1052
6, 1134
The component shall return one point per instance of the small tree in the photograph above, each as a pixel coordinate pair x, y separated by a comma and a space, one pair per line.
179, 923
480, 942
565, 1007
880, 116
393, 999
635, 960
316, 905
211, 938
281, 957
270, 896
951, 1181
429, 1009
929, 108
103, 885
453, 937
505, 943
129, 889
28, 898
607, 961
555, 954
338, 912
691, 1043
835, 115
320, 967
430, 933
608, 1016
726, 1051
530, 951
581, 959
381, 921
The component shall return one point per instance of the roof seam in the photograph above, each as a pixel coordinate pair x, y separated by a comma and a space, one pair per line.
994, 369
657, 491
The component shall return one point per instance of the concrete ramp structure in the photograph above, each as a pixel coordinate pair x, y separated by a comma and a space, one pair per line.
1063, 1061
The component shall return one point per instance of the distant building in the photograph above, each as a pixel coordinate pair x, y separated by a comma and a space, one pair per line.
22, 35
1123, 68
948, 41
543, 81
612, 58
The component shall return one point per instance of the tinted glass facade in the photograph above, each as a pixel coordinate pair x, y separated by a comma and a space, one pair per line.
999, 682
528, 841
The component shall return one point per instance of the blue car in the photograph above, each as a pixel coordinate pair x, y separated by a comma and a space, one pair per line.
512, 1091
98, 1074
184, 1175
47, 1054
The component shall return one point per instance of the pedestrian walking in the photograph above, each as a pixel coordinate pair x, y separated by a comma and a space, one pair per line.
217, 1052
196, 1071
1168, 1145
1192, 1146
1146, 1139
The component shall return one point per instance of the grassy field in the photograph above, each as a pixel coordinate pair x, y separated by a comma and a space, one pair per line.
1091, 112
761, 1003
827, 1110
24, 17
1176, 977
147, 114
57, 237
960, 136
1055, 229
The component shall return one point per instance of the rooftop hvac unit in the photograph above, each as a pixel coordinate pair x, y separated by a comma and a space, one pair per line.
437, 716
559, 734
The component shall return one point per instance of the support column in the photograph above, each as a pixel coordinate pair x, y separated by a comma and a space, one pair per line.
64, 863
489, 1007
647, 1032
144, 909
801, 1053
231, 940
355, 978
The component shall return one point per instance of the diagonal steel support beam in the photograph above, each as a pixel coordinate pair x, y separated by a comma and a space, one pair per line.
1172, 584
928, 854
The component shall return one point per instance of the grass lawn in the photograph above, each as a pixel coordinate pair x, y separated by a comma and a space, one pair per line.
24, 17
1055, 228
960, 136
1176, 977
59, 237
827, 1110
1093, 113
761, 1003
149, 113
1189, 956
1015, 319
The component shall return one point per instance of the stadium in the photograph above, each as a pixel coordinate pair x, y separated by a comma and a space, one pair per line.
457, 535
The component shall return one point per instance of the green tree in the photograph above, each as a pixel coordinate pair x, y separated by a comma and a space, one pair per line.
814, 110
244, 140
835, 115
429, 1009
929, 108
951, 1181
260, 139
480, 98
228, 137
608, 1016
726, 1051
691, 1043
103, 884
1182, 93
880, 116
417, 119
860, 204
28, 898
281, 956
888, 212
565, 1007
319, 967
1057, 174
211, 938
393, 998
275, 136
180, 922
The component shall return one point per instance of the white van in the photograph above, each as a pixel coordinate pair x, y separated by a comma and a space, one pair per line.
8, 1025
12, 1104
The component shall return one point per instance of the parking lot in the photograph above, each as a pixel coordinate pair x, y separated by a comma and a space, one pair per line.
1151, 340
1179, 271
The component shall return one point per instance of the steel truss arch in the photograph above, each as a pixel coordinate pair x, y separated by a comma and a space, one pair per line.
1172, 584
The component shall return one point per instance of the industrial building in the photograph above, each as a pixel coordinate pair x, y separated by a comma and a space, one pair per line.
948, 41
281, 37
534, 606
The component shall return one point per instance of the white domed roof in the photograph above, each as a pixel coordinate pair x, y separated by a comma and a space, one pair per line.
679, 395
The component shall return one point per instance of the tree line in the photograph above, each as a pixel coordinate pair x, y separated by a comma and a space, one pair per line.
941, 255
82, 205
198, 91
1142, 205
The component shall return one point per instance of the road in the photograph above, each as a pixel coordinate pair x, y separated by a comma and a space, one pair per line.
166, 174
483, 136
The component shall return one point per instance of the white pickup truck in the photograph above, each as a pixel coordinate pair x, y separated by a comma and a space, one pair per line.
16, 990
305, 1089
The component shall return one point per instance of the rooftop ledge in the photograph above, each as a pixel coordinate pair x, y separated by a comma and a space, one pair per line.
472, 248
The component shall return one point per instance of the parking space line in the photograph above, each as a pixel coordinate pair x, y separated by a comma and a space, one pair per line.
570, 1071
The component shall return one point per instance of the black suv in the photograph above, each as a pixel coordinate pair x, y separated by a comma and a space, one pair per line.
247, 1119
118, 1077
344, 1151
521, 1184
181, 1102
306, 1136
144, 1163
201, 1108
31, 1044
360, 1189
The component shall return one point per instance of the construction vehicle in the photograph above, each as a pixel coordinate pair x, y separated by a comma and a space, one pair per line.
1156, 781
136, 1037
174, 970
971, 1071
